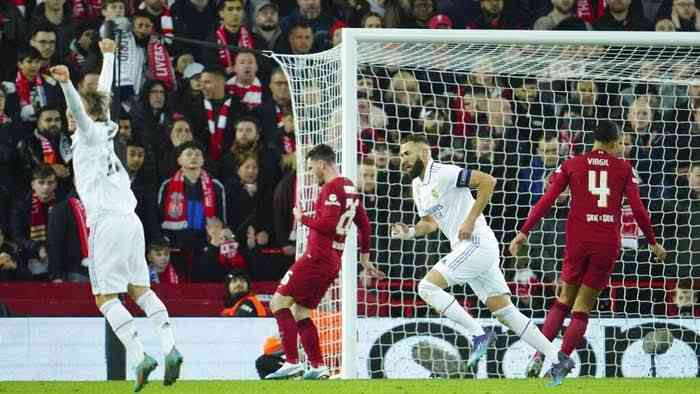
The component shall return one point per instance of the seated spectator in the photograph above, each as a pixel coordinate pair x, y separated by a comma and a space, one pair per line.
494, 15
12, 267
159, 265
271, 111
391, 13
311, 13
267, 24
372, 20
531, 178
67, 243
299, 40
682, 13
421, 11
29, 220
180, 132
240, 301
245, 83
42, 147
621, 15
562, 10
186, 201
577, 118
404, 105
249, 198
232, 31
247, 140
222, 253
144, 186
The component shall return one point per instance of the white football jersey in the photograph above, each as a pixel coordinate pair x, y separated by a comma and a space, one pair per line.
438, 195
101, 179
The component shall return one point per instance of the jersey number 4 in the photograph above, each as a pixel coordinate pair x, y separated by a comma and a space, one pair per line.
347, 216
598, 186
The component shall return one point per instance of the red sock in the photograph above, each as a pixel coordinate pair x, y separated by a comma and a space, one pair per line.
574, 333
309, 340
555, 318
288, 333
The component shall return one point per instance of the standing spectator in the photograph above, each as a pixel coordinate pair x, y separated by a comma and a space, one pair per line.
240, 301
271, 111
563, 11
42, 146
13, 35
67, 243
247, 140
187, 200
11, 265
245, 83
620, 15
29, 220
267, 22
233, 31
54, 13
494, 15
159, 265
194, 19
311, 12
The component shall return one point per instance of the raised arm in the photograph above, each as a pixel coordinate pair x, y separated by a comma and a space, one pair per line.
104, 83
86, 126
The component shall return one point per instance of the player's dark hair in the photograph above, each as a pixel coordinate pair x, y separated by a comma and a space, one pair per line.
43, 171
606, 132
322, 152
188, 145
416, 139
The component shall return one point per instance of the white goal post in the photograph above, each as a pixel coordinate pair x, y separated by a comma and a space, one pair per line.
325, 101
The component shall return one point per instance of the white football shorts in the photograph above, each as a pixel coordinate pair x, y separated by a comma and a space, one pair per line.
117, 254
476, 263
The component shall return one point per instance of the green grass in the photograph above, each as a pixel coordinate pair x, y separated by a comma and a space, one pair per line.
492, 386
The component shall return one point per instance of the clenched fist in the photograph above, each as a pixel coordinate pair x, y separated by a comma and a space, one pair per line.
60, 73
107, 45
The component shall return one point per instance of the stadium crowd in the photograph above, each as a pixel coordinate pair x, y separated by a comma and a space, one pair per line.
208, 135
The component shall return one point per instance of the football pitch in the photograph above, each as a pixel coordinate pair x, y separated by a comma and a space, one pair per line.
491, 386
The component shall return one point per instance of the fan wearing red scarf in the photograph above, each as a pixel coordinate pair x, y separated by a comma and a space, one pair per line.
232, 31
187, 201
26, 93
42, 145
29, 219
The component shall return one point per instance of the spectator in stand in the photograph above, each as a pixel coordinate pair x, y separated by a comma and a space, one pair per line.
664, 24
194, 19
404, 105
150, 114
213, 118
232, 31
577, 118
186, 201
9, 134
495, 15
249, 199
531, 178
421, 12
336, 33
143, 184
267, 22
682, 13
390, 13
30, 91
189, 92
67, 243
299, 40
54, 13
29, 220
440, 21
42, 147
159, 265
180, 132
372, 20
240, 301
247, 140
162, 16
13, 35
43, 39
222, 253
12, 267
79, 47
284, 200
563, 12
311, 13
245, 84
271, 111
621, 15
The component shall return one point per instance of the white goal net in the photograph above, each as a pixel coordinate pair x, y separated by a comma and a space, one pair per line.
513, 106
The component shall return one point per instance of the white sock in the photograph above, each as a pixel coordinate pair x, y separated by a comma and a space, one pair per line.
123, 325
526, 329
445, 304
158, 315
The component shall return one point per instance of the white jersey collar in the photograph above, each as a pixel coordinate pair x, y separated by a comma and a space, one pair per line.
428, 170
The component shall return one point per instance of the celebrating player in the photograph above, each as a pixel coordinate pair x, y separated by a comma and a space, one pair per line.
300, 291
599, 180
444, 201
117, 250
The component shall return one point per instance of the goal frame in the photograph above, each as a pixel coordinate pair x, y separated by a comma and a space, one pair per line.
349, 72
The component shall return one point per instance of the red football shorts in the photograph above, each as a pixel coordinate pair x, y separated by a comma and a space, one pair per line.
589, 264
308, 279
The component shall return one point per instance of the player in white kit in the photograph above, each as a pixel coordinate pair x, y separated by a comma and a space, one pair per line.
116, 241
442, 196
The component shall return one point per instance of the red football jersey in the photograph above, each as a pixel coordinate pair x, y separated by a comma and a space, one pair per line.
337, 206
598, 183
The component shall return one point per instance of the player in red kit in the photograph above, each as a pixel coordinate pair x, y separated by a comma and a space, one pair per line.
599, 181
338, 205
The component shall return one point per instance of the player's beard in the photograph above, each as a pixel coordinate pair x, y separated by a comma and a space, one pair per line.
418, 168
